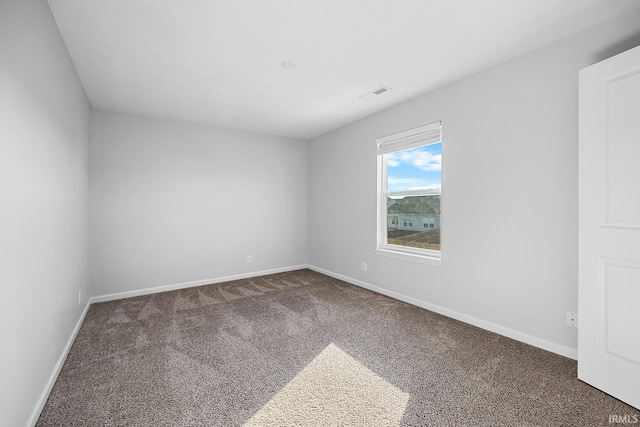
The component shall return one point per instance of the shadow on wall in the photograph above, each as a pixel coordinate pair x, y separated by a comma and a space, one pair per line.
623, 46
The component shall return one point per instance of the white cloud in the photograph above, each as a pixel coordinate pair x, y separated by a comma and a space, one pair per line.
421, 159
407, 184
392, 161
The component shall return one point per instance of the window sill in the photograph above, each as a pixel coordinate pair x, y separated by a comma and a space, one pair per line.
424, 259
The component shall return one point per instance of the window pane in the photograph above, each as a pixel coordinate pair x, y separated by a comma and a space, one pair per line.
415, 169
414, 214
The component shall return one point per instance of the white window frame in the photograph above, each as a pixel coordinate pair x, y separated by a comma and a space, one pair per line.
412, 138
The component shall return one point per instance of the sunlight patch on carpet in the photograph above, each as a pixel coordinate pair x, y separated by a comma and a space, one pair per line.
334, 389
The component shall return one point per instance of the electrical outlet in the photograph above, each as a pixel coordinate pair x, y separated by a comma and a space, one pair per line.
249, 259
80, 296
572, 319
364, 266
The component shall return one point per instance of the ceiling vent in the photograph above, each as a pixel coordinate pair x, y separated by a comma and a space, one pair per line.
379, 91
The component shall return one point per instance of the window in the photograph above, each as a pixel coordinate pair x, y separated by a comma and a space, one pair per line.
409, 188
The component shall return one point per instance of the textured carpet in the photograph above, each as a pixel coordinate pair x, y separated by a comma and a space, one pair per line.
301, 348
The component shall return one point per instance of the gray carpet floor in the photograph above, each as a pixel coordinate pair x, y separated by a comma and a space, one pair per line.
301, 348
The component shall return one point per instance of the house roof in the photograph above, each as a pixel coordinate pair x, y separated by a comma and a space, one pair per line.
425, 205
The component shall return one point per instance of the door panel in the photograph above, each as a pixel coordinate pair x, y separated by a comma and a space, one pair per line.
622, 171
621, 314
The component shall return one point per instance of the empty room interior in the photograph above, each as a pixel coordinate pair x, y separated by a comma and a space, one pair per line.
321, 213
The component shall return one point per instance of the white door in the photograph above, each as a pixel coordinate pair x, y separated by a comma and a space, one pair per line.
609, 230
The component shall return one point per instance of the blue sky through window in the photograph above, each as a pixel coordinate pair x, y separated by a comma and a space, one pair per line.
415, 169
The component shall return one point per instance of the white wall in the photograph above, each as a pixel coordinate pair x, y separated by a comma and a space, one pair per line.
510, 191
173, 202
44, 158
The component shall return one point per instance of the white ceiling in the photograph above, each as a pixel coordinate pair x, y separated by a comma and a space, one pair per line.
218, 61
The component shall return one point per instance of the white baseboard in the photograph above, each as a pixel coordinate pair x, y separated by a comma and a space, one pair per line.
489, 326
35, 414
165, 288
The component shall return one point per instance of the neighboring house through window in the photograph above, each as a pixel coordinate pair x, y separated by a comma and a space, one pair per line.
409, 194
